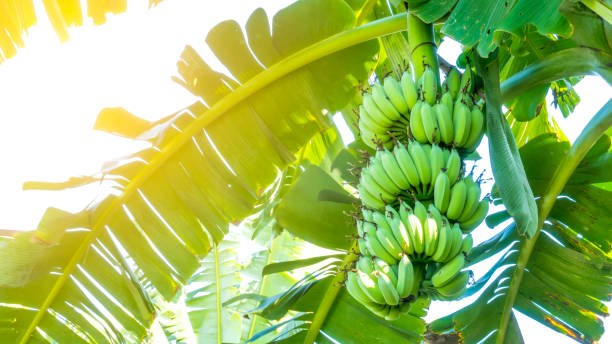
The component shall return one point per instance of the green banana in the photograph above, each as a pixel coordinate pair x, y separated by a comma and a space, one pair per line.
374, 245
368, 199
368, 214
420, 211
375, 113
447, 99
386, 269
369, 286
431, 236
394, 313
363, 247
448, 271
457, 200
380, 310
430, 87
453, 166
453, 80
417, 130
461, 118
430, 123
393, 169
353, 288
457, 241
399, 230
443, 243
467, 244
370, 184
456, 287
467, 80
442, 192
445, 123
385, 236
406, 164
370, 123
409, 90
365, 263
387, 288
420, 162
477, 218
405, 277
415, 228
380, 175
471, 203
476, 129
393, 89
436, 159
380, 98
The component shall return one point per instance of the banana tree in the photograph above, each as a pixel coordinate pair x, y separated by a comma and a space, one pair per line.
260, 146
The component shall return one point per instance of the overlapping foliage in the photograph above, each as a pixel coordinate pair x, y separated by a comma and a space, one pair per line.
99, 275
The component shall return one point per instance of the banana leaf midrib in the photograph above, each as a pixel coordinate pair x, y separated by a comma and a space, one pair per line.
291, 63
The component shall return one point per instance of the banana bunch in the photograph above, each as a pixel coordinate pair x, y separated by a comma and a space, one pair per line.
386, 290
385, 112
407, 171
461, 202
450, 120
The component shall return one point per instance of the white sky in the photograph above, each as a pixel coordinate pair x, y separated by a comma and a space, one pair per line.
52, 93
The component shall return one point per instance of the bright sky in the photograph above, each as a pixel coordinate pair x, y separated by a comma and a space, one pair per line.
52, 93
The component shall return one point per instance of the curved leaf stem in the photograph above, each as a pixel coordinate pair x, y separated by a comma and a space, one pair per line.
290, 64
330, 296
591, 133
600, 8
562, 64
422, 47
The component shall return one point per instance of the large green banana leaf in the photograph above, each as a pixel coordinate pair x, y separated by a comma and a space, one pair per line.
205, 169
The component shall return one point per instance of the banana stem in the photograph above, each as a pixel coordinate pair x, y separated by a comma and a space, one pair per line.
422, 47
591, 133
330, 295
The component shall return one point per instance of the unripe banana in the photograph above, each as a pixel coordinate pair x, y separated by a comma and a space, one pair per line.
386, 238
431, 236
465, 99
430, 123
467, 80
420, 211
394, 313
415, 228
363, 247
375, 113
409, 90
417, 130
448, 271
386, 269
367, 136
393, 89
436, 159
471, 203
467, 244
399, 231
421, 162
443, 243
454, 82
447, 100
393, 169
477, 217
476, 129
380, 175
368, 214
368, 199
380, 310
387, 289
405, 277
369, 286
457, 200
369, 122
374, 245
406, 164
370, 184
430, 87
353, 288
457, 241
456, 287
445, 123
453, 166
462, 118
380, 98
365, 263
442, 192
